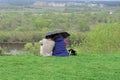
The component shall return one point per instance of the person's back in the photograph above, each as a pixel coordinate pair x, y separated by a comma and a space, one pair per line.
46, 47
60, 48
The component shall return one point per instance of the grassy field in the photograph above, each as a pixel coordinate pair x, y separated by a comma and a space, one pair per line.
81, 67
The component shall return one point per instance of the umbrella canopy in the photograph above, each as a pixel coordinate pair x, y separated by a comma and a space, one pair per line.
63, 33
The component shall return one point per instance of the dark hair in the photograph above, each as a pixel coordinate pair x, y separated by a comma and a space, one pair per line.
57, 36
50, 37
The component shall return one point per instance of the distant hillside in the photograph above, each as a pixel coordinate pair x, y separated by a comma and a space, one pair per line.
28, 2
18, 2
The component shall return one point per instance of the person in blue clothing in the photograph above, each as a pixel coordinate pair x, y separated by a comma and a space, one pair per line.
60, 47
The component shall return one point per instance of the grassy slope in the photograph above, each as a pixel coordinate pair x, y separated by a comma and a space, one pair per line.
82, 67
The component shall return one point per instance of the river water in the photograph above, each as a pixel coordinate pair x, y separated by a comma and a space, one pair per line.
12, 46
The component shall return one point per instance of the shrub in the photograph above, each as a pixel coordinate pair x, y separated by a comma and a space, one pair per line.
104, 39
75, 38
32, 48
4, 36
28, 46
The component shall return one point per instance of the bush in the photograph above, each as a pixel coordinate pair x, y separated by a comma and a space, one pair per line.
32, 48
4, 36
104, 39
75, 38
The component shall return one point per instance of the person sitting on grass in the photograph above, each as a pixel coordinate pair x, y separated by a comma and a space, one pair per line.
47, 45
60, 46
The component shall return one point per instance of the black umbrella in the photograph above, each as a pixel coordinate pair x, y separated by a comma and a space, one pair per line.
63, 33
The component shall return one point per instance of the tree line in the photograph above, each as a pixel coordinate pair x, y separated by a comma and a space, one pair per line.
38, 24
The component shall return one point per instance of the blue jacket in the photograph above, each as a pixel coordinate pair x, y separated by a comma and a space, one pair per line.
60, 48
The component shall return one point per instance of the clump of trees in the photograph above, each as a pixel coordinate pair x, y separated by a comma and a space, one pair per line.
32, 26
18, 36
27, 27
104, 39
35, 22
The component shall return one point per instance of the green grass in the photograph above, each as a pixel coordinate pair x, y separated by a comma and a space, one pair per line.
81, 67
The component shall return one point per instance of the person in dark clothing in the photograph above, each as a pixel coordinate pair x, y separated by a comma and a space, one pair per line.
60, 47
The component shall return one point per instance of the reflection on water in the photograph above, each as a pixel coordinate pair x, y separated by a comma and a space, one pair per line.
12, 46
